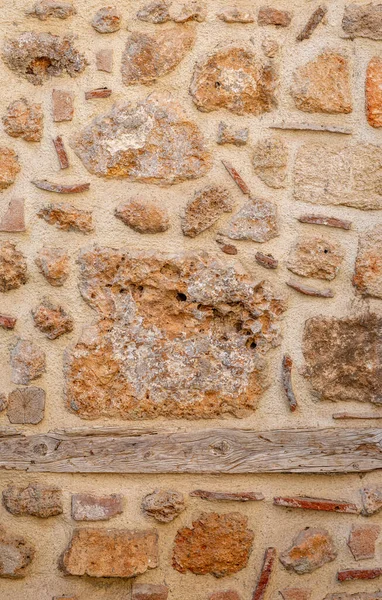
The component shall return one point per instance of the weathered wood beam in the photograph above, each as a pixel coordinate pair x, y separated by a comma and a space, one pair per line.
204, 451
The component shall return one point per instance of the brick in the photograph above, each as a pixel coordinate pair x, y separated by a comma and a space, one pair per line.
62, 105
35, 500
311, 549
16, 554
143, 216
315, 256
149, 591
26, 405
53, 264
104, 60
265, 574
24, 120
272, 16
27, 362
13, 220
362, 540
107, 19
204, 210
88, 507
163, 505
52, 320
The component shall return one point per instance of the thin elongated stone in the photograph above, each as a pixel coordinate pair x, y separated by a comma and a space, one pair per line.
356, 574
62, 156
59, 188
286, 374
313, 22
237, 178
266, 260
265, 574
323, 220
307, 290
322, 504
227, 496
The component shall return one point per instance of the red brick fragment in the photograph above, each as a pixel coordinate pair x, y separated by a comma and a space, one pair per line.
266, 260
323, 504
362, 540
98, 93
354, 574
58, 188
227, 248
7, 322
62, 104
13, 220
313, 22
237, 178
307, 290
265, 575
347, 415
296, 594
225, 595
271, 16
61, 152
235, 496
286, 374
323, 220
88, 507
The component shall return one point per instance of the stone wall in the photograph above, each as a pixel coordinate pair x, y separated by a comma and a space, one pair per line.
190, 242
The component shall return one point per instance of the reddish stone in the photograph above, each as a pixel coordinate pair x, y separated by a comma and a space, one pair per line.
226, 595
311, 549
296, 594
13, 267
24, 120
52, 320
362, 540
58, 9
9, 167
26, 405
356, 574
104, 60
204, 209
265, 574
53, 263
13, 220
67, 217
16, 554
374, 92
7, 322
35, 500
144, 216
149, 591
27, 362
272, 16
62, 105
367, 278
107, 19
87, 507
339, 506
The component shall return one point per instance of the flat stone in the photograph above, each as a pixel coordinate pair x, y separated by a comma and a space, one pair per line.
16, 554
57, 9
154, 142
323, 85
39, 56
363, 20
228, 135
362, 540
67, 217
88, 507
340, 175
186, 336
193, 10
104, 60
149, 591
342, 357
155, 12
148, 56
371, 500
54, 265
13, 220
52, 320
219, 544
315, 256
233, 14
27, 362
311, 549
225, 595
26, 405
373, 90
296, 594
110, 552
144, 216
163, 505
270, 161
205, 209
13, 267
356, 596
9, 167
35, 500
272, 16
256, 220
234, 79
62, 105
24, 120
107, 19
367, 277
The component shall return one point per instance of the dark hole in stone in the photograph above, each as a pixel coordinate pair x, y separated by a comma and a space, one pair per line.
181, 297
326, 251
217, 84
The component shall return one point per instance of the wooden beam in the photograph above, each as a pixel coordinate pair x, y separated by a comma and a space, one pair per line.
204, 451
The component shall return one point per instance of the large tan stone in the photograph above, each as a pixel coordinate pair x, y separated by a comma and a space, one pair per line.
16, 554
234, 79
34, 500
110, 552
163, 505
204, 210
24, 120
311, 549
270, 161
367, 277
13, 267
363, 20
373, 91
181, 335
143, 215
257, 220
315, 256
154, 142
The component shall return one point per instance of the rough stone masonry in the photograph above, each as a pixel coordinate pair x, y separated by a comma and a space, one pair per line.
190, 285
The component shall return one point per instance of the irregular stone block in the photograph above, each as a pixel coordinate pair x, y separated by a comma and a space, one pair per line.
256, 220
342, 175
13, 220
186, 337
371, 500
234, 79
367, 278
163, 505
58, 9
35, 500
362, 541
62, 105
26, 405
323, 85
373, 89
27, 362
315, 256
270, 47
232, 14
226, 595
9, 167
342, 357
39, 56
190, 11
149, 591
363, 20
205, 209
24, 120
270, 161
272, 16
156, 12
143, 216
52, 320
53, 264
87, 507
148, 56
13, 267
219, 544
16, 553
104, 60
310, 550
228, 135
296, 594
107, 19
67, 217
154, 143
110, 552
3, 401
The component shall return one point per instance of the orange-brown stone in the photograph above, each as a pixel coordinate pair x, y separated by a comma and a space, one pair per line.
310, 550
374, 92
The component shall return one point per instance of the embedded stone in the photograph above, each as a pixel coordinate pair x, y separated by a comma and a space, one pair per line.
178, 334
367, 278
234, 79
315, 256
371, 500
143, 216
149, 591
107, 19
270, 161
362, 540
356, 596
39, 56
363, 20
3, 401
342, 357
153, 143
163, 505
110, 552
53, 264
58, 9
232, 14
104, 60
205, 209
339, 174
9, 167
228, 135
27, 362
296, 594
323, 85
13, 219
219, 544
193, 10
62, 105
148, 56
52, 320
373, 91
256, 220
24, 120
226, 595
13, 267
16, 554
88, 507
272, 16
270, 47
310, 550
67, 217
35, 500
26, 406
156, 12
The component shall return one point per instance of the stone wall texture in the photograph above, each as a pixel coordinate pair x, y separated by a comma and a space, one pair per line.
190, 240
